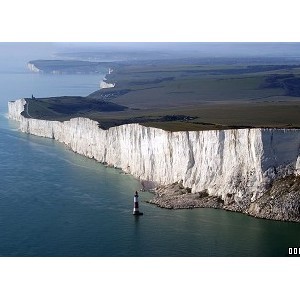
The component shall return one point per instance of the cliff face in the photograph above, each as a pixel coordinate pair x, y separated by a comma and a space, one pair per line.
106, 85
33, 68
15, 108
237, 165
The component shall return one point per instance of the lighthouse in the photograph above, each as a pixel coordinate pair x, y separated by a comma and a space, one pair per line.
136, 204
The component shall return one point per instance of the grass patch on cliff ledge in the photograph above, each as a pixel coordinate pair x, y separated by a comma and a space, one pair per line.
179, 97
64, 108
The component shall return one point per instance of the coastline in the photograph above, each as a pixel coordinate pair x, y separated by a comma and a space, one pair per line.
278, 203
104, 84
162, 159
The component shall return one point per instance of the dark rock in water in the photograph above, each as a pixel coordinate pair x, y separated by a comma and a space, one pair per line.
138, 214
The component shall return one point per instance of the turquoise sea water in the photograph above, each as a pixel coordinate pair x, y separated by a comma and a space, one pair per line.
54, 202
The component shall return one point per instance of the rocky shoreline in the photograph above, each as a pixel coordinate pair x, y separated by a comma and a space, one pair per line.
280, 202
175, 196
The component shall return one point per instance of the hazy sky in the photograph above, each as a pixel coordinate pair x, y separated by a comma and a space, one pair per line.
30, 51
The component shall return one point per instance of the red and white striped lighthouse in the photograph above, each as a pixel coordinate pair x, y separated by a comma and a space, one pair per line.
136, 204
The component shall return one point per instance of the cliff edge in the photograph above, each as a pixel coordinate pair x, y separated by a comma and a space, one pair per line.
237, 167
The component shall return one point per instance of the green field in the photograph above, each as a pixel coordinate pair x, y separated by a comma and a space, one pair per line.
176, 96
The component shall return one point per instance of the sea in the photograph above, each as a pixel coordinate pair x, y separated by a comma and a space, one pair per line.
55, 203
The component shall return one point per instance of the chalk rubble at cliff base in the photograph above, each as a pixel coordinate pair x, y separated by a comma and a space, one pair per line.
175, 196
281, 201
236, 166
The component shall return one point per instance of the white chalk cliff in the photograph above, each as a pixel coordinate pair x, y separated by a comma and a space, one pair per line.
106, 85
33, 68
237, 164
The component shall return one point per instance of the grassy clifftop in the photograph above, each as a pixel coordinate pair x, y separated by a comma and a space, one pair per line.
187, 95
